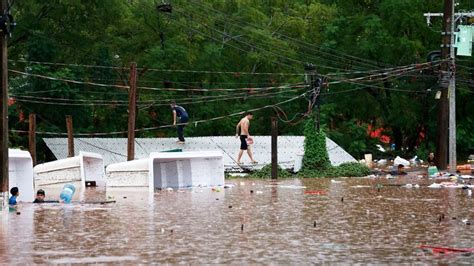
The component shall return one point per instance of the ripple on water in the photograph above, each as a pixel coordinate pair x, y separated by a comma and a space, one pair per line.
280, 225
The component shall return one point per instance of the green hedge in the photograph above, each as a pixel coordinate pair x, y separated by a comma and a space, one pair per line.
316, 161
266, 172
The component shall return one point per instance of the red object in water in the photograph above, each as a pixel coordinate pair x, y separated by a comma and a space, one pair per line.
315, 192
447, 250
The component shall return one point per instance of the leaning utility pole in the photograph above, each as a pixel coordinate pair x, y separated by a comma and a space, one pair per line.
4, 115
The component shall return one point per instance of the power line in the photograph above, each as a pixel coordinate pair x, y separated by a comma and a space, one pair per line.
196, 122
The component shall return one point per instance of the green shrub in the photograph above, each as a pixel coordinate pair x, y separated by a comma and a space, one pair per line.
316, 161
315, 153
266, 172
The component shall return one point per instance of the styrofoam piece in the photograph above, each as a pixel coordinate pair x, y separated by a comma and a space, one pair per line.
128, 174
398, 160
185, 169
85, 167
20, 174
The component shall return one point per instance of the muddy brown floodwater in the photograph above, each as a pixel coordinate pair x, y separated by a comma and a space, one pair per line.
277, 223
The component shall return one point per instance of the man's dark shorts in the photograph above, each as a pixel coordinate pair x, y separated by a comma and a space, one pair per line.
243, 142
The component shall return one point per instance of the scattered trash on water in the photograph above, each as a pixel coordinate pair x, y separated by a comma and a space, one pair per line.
315, 192
314, 224
230, 206
242, 227
399, 160
360, 186
67, 193
408, 185
162, 230
229, 185
342, 199
335, 181
441, 217
169, 189
466, 221
435, 185
469, 192
216, 189
242, 183
18, 213
251, 191
259, 192
292, 186
446, 250
389, 176
417, 186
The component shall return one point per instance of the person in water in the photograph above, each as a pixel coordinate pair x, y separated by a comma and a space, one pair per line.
39, 196
15, 193
399, 170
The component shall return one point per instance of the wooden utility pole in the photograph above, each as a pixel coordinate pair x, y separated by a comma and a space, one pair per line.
4, 117
32, 136
274, 148
443, 107
70, 136
132, 107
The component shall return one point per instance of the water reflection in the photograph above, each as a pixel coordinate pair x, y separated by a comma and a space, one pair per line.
352, 222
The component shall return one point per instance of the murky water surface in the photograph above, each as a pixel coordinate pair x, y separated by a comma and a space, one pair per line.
277, 223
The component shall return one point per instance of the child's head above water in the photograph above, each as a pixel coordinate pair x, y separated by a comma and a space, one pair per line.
14, 191
40, 194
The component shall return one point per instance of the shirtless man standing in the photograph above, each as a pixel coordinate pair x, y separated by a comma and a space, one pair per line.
244, 126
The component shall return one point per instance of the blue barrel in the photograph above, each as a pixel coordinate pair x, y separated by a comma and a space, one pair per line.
67, 193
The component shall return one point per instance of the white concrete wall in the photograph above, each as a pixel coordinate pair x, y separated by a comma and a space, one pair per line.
20, 172
128, 174
85, 167
186, 169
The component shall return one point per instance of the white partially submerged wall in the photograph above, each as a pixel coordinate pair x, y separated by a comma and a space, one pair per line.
20, 172
185, 169
128, 174
87, 167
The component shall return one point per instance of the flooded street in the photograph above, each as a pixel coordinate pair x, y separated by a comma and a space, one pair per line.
346, 220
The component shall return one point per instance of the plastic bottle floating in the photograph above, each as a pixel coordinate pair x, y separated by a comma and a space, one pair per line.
67, 193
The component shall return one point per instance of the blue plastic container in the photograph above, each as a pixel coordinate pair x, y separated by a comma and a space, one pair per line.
67, 193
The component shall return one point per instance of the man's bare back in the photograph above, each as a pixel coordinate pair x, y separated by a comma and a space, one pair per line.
244, 125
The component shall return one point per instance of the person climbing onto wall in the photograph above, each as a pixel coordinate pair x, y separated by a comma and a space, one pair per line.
244, 125
179, 112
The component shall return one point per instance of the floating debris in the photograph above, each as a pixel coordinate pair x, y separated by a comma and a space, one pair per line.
315, 192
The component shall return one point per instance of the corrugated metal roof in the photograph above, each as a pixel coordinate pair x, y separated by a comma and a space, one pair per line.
114, 150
